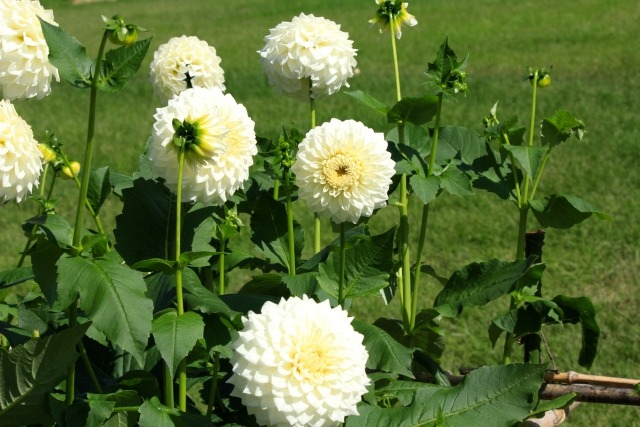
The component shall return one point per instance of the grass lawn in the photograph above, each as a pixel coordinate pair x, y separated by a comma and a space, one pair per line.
593, 48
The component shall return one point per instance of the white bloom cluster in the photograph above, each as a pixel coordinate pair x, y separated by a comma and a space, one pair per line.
226, 132
299, 363
20, 158
308, 50
25, 70
343, 170
181, 58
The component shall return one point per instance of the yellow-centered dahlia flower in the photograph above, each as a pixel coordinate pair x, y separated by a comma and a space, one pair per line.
25, 70
308, 51
299, 363
181, 59
343, 170
220, 144
20, 158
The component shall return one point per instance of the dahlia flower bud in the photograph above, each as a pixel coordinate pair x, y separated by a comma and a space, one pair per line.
71, 171
25, 70
343, 170
308, 57
48, 154
299, 363
185, 62
20, 159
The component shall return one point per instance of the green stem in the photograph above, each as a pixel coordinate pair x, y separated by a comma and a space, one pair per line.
290, 235
168, 385
545, 158
82, 199
527, 178
87, 364
214, 383
276, 189
396, 68
425, 218
317, 225
514, 172
343, 262
221, 284
31, 236
182, 367
94, 215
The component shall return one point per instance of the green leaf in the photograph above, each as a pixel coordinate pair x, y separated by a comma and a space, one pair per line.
404, 391
15, 276
457, 140
426, 188
504, 394
456, 182
413, 110
44, 257
121, 64
549, 405
529, 158
369, 101
99, 188
385, 353
269, 231
581, 310
563, 211
559, 127
155, 414
368, 263
67, 55
201, 299
56, 228
113, 297
175, 335
156, 264
479, 283
29, 372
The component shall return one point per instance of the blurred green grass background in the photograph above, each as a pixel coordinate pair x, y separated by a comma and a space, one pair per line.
592, 46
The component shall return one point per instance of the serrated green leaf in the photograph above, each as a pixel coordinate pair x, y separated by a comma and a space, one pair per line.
155, 414
549, 405
175, 335
581, 310
564, 211
369, 101
29, 372
456, 182
201, 299
528, 158
99, 188
426, 188
479, 283
559, 127
404, 391
113, 297
385, 353
459, 141
56, 228
504, 394
416, 110
67, 55
121, 64
156, 264
15, 276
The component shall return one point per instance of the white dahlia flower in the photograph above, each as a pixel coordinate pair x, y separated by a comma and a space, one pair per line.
25, 70
181, 58
393, 13
308, 49
20, 158
299, 363
343, 170
221, 150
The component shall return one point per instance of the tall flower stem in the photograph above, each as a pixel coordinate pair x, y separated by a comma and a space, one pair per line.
82, 200
523, 206
343, 262
221, 284
290, 235
317, 225
94, 214
403, 205
425, 217
214, 383
182, 367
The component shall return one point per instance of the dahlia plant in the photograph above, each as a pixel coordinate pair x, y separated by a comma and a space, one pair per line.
137, 324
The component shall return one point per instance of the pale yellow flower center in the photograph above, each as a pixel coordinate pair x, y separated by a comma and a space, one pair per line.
309, 363
342, 172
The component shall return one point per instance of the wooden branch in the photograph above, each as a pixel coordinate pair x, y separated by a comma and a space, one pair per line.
577, 378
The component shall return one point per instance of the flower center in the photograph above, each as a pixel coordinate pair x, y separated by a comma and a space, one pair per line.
342, 172
309, 363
